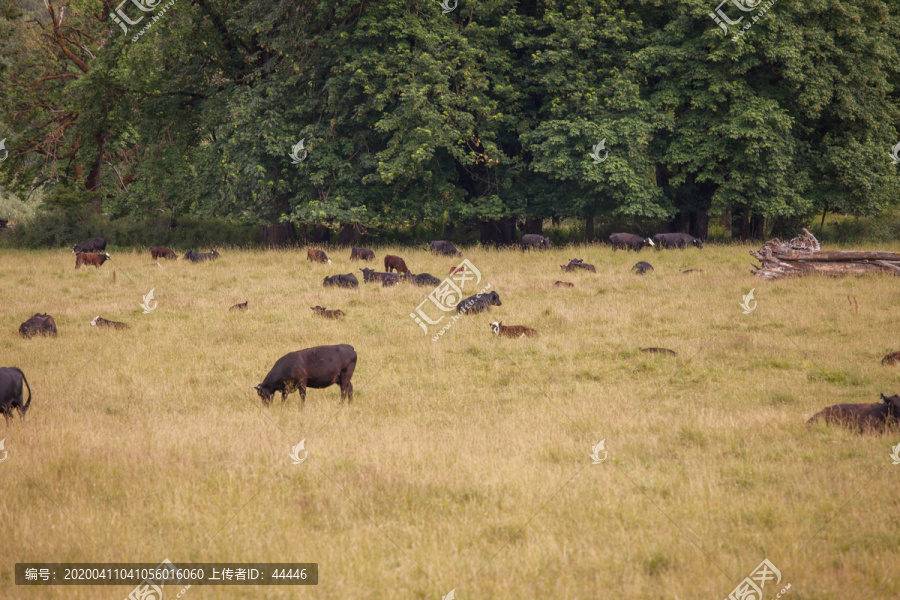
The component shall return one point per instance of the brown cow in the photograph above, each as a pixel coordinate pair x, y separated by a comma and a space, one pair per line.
88, 258
317, 256
157, 252
512, 330
394, 262
455, 270
325, 313
864, 417
891, 359
241, 306
577, 263
563, 284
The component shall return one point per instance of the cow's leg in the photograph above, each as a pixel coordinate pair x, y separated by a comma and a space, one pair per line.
346, 384
301, 385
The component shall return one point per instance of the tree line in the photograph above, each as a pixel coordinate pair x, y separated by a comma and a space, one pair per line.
480, 113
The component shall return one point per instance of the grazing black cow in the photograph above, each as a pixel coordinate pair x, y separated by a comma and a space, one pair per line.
101, 322
157, 252
629, 241
318, 367
361, 254
11, 379
577, 263
88, 258
314, 255
676, 240
91, 245
201, 256
369, 276
445, 248
865, 417
533, 240
38, 325
478, 303
642, 267
349, 281
422, 279
394, 262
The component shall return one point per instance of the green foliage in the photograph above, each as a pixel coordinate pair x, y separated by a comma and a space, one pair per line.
489, 112
65, 228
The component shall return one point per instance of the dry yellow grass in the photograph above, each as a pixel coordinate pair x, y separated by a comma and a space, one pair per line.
463, 463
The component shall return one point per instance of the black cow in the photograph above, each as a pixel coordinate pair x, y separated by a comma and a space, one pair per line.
478, 303
361, 254
422, 279
349, 281
642, 267
11, 379
445, 248
864, 417
92, 245
676, 240
389, 279
370, 275
200, 257
533, 240
38, 325
629, 241
318, 367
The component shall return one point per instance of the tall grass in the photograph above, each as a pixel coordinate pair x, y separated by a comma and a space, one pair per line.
463, 463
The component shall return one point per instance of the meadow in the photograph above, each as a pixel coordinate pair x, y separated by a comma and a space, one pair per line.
463, 463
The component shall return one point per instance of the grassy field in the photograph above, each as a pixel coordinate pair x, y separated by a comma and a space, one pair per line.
462, 463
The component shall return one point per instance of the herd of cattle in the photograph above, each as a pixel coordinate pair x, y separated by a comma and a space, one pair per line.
324, 366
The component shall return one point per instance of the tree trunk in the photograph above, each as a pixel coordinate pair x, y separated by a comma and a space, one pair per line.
757, 226
500, 232
321, 234
278, 235
350, 233
589, 228
534, 226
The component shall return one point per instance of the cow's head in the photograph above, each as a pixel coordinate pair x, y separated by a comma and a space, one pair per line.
648, 242
94, 322
265, 393
545, 242
495, 327
697, 242
494, 298
893, 403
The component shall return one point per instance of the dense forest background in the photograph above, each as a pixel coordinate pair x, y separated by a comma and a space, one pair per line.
479, 118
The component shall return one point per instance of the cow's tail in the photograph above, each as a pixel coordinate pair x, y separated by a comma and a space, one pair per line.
27, 402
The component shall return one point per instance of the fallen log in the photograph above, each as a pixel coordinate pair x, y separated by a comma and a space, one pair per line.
801, 257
